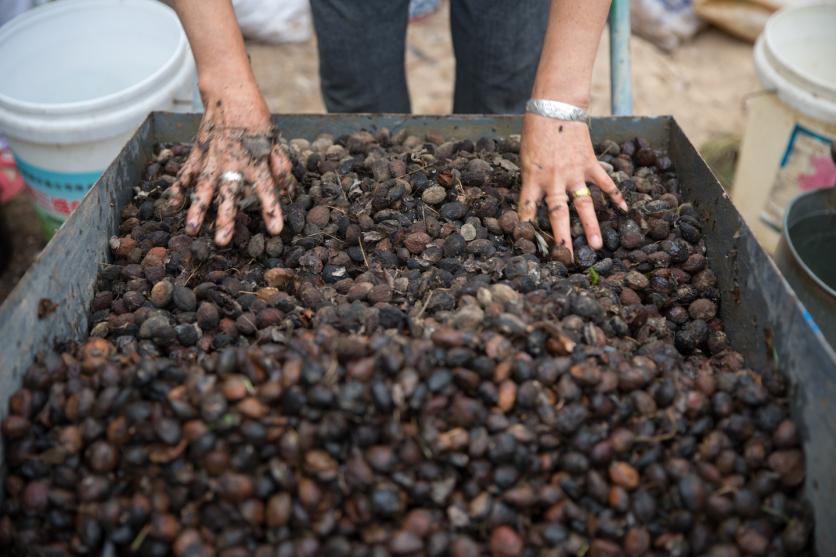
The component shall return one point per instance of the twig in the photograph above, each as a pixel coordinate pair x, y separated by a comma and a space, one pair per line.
320, 233
541, 231
248, 320
140, 538
606, 152
411, 172
331, 236
426, 303
421, 442
428, 207
363, 251
191, 276
340, 186
773, 512
460, 187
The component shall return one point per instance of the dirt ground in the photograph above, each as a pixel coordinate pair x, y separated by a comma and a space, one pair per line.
24, 234
703, 84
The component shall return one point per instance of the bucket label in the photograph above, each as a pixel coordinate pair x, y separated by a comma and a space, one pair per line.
807, 165
56, 193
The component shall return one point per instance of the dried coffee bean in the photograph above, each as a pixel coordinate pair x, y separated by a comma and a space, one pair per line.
403, 371
161, 293
417, 242
454, 245
691, 336
434, 195
405, 542
102, 457
702, 309
505, 542
184, 298
621, 473
207, 316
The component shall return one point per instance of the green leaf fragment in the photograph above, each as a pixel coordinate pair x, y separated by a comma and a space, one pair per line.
230, 419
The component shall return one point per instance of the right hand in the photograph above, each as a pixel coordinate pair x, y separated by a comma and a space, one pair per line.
557, 159
236, 134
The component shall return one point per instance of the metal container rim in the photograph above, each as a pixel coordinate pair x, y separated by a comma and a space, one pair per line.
791, 245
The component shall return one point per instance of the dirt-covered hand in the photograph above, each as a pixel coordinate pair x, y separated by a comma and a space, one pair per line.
557, 159
235, 135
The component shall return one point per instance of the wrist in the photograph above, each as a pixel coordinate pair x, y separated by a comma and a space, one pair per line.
229, 91
557, 110
554, 90
235, 103
220, 82
576, 99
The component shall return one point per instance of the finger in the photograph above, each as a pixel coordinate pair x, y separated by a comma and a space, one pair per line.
202, 197
529, 198
558, 205
281, 168
190, 169
265, 189
603, 181
586, 211
225, 223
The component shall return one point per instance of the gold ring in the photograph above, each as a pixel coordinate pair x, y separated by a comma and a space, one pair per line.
582, 192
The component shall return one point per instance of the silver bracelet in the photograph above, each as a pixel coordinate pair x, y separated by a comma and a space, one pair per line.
557, 110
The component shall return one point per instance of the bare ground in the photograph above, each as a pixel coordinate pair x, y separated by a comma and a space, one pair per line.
702, 84
24, 235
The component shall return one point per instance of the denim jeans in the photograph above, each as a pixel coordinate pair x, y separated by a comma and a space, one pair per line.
361, 53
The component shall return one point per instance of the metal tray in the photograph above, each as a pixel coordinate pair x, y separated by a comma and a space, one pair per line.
763, 317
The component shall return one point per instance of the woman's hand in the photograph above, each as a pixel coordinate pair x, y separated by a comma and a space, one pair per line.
557, 160
235, 135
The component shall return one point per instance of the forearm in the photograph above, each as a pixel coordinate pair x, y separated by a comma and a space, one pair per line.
217, 45
572, 37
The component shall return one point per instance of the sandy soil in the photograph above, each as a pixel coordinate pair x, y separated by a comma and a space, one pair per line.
702, 84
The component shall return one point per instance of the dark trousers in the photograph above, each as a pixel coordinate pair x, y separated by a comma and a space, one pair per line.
361, 53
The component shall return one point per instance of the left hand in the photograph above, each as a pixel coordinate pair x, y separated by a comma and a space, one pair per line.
557, 159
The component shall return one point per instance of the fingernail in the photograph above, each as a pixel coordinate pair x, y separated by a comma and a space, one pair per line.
595, 241
623, 206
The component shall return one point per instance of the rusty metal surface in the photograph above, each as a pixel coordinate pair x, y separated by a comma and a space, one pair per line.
762, 315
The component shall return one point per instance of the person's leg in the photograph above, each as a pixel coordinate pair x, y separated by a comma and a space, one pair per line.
361, 54
497, 45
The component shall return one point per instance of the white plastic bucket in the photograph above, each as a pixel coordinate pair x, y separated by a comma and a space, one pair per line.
791, 125
78, 77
